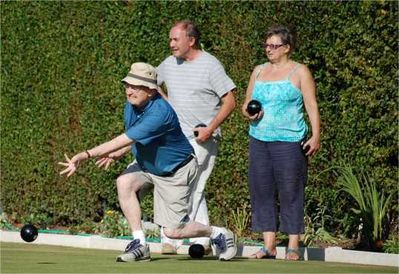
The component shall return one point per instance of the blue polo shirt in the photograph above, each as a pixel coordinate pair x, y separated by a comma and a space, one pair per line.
160, 144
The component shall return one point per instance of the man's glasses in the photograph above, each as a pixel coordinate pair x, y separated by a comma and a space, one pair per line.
135, 88
272, 46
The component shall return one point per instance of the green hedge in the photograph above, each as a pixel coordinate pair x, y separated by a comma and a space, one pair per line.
60, 92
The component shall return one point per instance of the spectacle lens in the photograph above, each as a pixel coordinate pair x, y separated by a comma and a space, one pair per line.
127, 85
272, 46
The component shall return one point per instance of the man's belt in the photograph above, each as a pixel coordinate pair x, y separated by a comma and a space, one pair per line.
179, 166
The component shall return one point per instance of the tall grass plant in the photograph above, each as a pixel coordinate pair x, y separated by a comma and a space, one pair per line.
371, 203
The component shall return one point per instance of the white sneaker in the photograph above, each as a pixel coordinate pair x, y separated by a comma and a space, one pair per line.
135, 252
225, 242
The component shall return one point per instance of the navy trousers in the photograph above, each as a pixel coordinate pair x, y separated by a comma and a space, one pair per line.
277, 177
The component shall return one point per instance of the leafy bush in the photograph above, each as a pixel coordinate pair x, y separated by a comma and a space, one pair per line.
392, 244
60, 76
113, 225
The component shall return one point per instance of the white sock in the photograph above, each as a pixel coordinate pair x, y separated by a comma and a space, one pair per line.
216, 231
139, 234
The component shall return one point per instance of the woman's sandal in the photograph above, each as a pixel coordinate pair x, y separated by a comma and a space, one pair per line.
263, 253
293, 254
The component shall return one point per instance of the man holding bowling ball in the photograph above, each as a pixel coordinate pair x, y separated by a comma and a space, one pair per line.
200, 92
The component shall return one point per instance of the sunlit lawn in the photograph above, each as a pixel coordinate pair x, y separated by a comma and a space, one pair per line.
30, 258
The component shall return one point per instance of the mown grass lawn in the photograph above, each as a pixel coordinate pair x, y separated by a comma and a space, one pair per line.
28, 258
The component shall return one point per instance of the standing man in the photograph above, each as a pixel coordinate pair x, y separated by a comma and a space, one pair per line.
163, 158
201, 93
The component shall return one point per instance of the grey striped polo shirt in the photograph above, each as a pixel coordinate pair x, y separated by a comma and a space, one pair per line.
194, 89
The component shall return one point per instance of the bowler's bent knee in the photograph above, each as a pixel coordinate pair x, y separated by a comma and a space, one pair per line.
173, 233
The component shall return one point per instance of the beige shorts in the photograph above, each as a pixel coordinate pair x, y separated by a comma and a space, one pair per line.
171, 194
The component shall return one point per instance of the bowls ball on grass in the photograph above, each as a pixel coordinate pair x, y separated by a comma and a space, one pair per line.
29, 233
196, 251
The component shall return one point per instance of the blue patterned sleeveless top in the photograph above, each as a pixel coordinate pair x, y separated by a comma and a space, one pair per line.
282, 105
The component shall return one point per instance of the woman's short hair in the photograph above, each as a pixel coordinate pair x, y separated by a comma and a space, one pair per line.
191, 30
285, 34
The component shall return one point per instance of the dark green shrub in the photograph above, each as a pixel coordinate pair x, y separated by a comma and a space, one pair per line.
62, 63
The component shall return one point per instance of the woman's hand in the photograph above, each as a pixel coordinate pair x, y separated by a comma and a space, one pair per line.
257, 116
311, 146
254, 117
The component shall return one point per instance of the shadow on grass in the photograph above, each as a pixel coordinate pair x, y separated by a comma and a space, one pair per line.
209, 258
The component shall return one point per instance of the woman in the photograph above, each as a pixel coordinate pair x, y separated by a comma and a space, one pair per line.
278, 146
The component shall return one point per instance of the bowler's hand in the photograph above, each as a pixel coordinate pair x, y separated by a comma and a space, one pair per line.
104, 162
311, 146
204, 133
255, 117
107, 160
71, 164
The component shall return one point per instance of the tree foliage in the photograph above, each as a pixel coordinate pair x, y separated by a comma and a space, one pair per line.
60, 80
